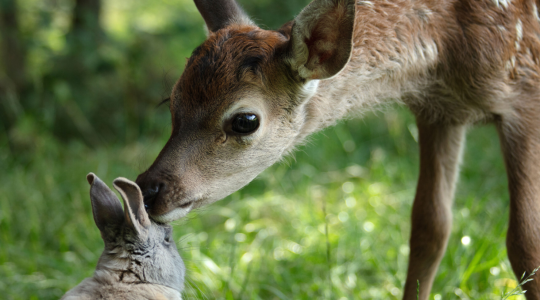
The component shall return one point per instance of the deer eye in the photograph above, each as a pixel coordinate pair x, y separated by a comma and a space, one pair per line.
245, 123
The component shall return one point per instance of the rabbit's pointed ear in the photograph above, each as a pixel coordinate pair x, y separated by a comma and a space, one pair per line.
136, 216
106, 207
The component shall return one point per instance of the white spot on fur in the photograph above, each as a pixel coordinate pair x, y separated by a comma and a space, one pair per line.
425, 50
504, 3
535, 12
508, 66
519, 34
431, 50
365, 3
519, 30
309, 89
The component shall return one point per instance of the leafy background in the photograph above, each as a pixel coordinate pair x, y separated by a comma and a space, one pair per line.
79, 85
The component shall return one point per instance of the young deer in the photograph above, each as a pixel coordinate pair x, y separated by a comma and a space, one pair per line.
140, 261
248, 96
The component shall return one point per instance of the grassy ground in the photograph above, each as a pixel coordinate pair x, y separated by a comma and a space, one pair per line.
332, 222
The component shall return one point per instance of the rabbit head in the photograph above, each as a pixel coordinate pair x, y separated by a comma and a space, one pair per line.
137, 249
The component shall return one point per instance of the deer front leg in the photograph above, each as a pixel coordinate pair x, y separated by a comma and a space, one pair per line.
520, 141
440, 154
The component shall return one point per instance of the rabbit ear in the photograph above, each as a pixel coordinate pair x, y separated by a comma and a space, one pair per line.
106, 207
136, 216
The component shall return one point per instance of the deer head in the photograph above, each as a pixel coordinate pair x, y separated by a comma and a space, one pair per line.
240, 104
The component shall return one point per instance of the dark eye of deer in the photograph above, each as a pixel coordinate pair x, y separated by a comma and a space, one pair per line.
245, 123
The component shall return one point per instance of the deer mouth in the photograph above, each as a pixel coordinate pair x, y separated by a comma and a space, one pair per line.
175, 214
186, 205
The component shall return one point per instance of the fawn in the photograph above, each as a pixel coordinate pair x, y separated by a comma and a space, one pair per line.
248, 96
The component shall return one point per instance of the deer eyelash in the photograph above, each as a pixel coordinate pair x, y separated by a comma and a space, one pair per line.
168, 99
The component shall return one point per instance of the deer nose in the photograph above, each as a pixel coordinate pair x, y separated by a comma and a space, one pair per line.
150, 194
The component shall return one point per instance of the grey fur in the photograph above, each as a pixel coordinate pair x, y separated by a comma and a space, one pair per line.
140, 260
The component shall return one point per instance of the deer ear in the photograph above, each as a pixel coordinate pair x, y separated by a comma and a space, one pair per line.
219, 13
135, 214
106, 207
321, 38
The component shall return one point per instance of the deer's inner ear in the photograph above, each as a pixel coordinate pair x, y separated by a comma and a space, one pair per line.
321, 39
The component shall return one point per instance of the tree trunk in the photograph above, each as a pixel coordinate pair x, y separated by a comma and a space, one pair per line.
76, 68
85, 34
12, 64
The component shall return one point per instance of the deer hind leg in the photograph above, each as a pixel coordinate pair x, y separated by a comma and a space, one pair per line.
440, 154
520, 142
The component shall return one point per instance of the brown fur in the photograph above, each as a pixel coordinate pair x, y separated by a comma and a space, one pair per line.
250, 50
453, 63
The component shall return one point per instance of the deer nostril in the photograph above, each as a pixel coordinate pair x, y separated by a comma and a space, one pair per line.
150, 194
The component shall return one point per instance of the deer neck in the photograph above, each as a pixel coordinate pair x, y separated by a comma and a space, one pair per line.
395, 50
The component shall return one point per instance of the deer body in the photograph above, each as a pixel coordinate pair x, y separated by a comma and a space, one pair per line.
427, 57
249, 96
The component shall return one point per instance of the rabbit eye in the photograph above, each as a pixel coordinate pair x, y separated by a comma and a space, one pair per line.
168, 234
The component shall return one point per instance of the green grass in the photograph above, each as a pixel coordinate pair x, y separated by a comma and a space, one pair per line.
332, 222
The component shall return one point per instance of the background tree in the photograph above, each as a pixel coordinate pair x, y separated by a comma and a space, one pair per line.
12, 64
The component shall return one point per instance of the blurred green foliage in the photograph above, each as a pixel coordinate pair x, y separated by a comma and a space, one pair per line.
95, 72
79, 85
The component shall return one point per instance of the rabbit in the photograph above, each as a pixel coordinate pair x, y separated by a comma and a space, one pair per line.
140, 260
